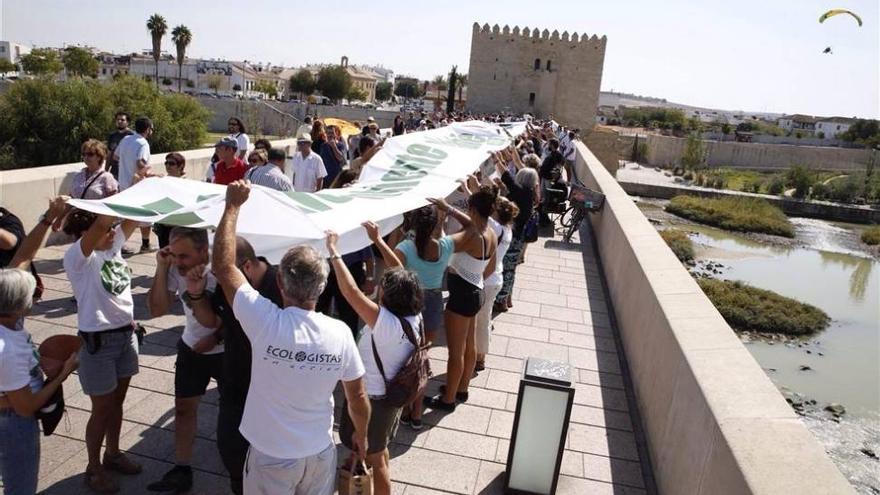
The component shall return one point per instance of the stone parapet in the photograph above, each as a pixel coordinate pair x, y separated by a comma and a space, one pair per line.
714, 422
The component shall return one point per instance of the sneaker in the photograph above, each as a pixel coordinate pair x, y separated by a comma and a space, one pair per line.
438, 404
415, 424
405, 420
145, 247
120, 463
178, 480
101, 482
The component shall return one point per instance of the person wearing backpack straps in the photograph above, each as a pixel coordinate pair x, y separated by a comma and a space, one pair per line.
388, 343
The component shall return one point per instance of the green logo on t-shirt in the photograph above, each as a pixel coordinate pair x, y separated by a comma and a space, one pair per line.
115, 277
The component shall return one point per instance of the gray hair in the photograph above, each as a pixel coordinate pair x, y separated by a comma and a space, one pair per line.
526, 178
198, 237
303, 273
16, 291
531, 160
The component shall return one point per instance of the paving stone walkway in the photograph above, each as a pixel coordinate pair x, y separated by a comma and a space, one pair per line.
559, 313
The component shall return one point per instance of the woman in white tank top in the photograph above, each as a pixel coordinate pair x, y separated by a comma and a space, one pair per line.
474, 260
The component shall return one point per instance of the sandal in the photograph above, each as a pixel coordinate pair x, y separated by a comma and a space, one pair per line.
120, 463
101, 482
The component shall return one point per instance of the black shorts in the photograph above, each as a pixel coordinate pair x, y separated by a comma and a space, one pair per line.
193, 371
465, 298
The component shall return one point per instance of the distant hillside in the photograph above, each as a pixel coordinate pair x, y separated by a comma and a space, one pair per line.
631, 100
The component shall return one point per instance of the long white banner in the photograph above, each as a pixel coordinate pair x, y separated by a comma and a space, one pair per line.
407, 170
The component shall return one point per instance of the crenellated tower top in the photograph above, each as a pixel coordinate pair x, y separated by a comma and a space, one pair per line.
515, 33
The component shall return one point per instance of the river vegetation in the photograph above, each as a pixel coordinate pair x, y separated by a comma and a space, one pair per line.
741, 214
748, 308
680, 244
871, 235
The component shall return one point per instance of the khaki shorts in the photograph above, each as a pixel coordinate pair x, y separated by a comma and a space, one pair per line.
384, 419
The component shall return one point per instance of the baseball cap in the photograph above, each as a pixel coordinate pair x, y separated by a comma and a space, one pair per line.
228, 142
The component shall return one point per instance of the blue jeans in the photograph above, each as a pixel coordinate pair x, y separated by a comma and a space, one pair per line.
19, 453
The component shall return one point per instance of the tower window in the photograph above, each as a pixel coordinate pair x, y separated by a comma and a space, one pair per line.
537, 64
548, 65
531, 99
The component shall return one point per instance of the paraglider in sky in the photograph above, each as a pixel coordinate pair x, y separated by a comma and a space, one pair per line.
827, 50
834, 12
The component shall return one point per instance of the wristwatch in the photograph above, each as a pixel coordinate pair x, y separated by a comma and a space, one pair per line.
335, 257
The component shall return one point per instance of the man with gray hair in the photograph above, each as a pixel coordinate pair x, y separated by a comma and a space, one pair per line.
298, 357
199, 350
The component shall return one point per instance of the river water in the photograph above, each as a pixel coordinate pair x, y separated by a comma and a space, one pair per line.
825, 267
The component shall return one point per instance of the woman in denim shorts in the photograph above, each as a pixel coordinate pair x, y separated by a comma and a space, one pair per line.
108, 356
428, 256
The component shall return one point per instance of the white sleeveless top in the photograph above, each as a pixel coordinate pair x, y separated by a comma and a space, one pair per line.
469, 268
505, 236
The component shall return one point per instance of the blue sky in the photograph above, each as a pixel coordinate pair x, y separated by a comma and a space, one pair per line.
748, 54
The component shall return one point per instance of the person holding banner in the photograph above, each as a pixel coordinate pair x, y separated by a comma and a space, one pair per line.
383, 337
473, 261
298, 357
23, 391
101, 283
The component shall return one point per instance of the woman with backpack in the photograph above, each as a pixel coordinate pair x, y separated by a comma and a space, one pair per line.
393, 330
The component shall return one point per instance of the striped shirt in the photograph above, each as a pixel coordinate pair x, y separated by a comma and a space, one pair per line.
269, 175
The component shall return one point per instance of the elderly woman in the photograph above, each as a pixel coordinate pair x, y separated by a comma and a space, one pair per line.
384, 347
522, 189
22, 388
93, 181
101, 282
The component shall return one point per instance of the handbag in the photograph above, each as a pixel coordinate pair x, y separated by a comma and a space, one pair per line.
355, 478
530, 230
413, 376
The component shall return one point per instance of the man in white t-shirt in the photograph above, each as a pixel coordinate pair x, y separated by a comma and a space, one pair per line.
307, 172
133, 155
182, 271
298, 358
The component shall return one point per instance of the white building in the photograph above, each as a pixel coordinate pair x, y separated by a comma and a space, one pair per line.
830, 127
12, 52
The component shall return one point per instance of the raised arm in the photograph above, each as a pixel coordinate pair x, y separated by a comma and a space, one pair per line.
388, 255
228, 275
362, 305
31, 244
455, 213
159, 298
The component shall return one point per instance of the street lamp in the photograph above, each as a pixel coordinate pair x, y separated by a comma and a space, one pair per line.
540, 424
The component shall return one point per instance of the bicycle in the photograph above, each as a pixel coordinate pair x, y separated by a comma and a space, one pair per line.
582, 200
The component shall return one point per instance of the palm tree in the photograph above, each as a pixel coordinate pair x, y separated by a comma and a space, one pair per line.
462, 82
182, 37
157, 27
440, 84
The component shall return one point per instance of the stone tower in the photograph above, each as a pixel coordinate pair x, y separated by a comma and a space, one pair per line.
537, 72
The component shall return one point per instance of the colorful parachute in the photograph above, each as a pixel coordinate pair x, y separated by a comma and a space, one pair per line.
834, 12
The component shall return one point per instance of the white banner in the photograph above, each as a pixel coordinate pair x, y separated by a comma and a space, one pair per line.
407, 170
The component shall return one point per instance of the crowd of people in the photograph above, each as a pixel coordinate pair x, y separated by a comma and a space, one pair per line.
277, 339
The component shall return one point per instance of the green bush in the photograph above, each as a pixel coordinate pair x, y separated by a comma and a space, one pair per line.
844, 190
680, 244
44, 122
733, 213
749, 308
752, 186
819, 191
800, 179
776, 186
166, 81
871, 235
688, 175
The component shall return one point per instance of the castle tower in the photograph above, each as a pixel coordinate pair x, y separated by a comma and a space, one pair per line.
534, 71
